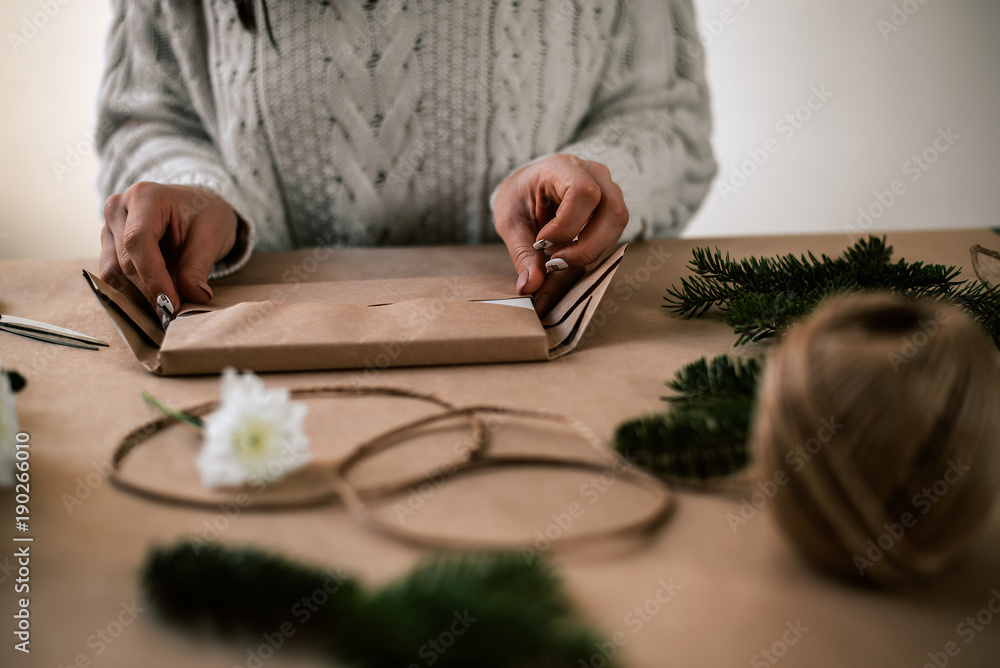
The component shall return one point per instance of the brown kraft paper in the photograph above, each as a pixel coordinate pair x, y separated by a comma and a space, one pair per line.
356, 324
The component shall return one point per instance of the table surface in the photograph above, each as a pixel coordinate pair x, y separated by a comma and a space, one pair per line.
736, 592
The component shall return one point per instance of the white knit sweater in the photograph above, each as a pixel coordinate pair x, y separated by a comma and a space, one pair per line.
391, 122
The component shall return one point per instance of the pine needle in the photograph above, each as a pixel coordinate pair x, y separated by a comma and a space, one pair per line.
760, 297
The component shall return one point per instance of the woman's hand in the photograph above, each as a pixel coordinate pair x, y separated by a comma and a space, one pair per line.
566, 206
163, 240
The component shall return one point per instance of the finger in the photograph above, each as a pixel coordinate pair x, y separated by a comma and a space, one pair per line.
555, 286
518, 233
115, 217
578, 194
603, 229
206, 242
108, 268
139, 250
111, 273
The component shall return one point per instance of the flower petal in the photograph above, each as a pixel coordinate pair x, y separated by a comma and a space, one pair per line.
256, 433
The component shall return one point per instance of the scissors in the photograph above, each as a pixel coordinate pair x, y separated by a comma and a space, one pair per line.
34, 329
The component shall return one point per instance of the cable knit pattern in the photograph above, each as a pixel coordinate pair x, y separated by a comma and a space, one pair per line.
372, 122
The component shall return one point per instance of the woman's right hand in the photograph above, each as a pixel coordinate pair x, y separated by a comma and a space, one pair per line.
163, 240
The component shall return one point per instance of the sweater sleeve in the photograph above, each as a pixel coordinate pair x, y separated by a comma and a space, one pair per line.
650, 120
155, 116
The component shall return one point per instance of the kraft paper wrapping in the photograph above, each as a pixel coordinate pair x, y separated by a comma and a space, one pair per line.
375, 323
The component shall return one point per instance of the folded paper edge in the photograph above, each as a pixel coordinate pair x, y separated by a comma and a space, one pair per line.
565, 337
145, 350
580, 290
585, 296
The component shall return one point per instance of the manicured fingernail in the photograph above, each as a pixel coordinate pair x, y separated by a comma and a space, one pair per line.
541, 244
166, 309
204, 286
163, 301
555, 264
522, 280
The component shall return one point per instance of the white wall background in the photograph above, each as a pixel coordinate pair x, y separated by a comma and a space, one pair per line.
891, 94
48, 84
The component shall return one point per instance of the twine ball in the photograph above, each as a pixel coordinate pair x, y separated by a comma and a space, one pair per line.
879, 419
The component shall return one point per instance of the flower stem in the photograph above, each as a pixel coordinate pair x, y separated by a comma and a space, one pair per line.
167, 410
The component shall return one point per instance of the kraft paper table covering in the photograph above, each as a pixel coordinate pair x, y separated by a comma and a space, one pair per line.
737, 593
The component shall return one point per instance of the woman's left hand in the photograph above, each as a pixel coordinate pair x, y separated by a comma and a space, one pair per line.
566, 206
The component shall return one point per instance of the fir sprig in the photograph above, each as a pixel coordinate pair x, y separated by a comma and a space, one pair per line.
759, 297
494, 608
705, 434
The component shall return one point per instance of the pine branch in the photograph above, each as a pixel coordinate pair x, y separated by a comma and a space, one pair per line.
760, 297
499, 610
705, 435
723, 377
982, 302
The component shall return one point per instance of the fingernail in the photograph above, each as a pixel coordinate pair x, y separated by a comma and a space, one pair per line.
166, 308
522, 280
204, 286
555, 264
163, 301
541, 244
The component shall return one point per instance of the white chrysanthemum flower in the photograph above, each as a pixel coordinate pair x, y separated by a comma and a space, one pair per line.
8, 431
256, 434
